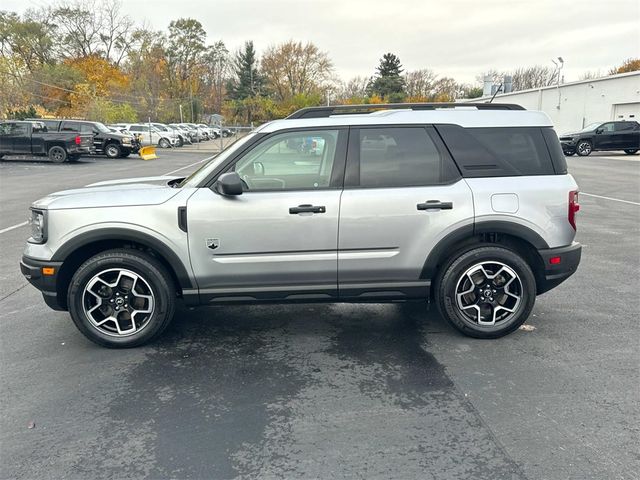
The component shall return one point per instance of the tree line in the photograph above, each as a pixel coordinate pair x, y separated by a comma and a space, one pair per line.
87, 59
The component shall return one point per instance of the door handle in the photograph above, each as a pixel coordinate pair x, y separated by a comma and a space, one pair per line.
435, 205
307, 208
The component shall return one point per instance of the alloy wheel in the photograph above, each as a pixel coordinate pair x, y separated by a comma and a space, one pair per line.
118, 302
488, 293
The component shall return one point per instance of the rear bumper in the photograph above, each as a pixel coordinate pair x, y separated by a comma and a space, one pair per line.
32, 271
556, 273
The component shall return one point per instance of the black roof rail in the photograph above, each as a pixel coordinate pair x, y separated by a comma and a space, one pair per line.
320, 112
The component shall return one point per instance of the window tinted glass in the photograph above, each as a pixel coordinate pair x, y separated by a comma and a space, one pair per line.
606, 128
625, 126
494, 152
290, 161
70, 127
402, 156
19, 129
5, 128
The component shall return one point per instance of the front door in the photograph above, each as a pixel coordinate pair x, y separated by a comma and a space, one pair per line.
605, 137
278, 239
402, 194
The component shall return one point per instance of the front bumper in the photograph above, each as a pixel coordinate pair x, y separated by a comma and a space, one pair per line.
568, 146
556, 273
31, 268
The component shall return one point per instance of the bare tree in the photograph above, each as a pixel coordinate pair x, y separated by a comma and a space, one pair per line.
292, 69
419, 83
88, 27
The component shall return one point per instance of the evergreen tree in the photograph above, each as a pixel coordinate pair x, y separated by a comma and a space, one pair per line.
248, 81
388, 81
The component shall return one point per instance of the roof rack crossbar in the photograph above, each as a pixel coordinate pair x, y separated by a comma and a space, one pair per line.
320, 112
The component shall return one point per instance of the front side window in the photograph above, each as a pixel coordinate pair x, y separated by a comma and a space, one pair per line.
402, 157
606, 128
290, 161
5, 128
19, 129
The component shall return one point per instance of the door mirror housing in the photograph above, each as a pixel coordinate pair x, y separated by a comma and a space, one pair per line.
228, 184
599, 130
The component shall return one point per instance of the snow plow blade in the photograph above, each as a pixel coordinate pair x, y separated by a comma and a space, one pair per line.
148, 153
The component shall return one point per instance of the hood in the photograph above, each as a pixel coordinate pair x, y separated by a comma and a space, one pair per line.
113, 193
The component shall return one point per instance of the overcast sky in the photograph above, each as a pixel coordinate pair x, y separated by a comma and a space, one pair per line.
457, 38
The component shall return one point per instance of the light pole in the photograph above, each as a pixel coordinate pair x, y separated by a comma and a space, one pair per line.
559, 64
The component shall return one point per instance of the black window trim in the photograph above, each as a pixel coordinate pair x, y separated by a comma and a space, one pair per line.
465, 171
352, 170
336, 181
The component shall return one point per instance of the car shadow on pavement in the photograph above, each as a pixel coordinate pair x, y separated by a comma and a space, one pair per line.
273, 391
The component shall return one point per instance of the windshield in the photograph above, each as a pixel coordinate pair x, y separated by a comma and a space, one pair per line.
199, 175
102, 128
591, 126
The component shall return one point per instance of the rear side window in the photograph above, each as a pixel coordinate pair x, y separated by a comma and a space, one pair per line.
70, 127
626, 126
402, 157
498, 151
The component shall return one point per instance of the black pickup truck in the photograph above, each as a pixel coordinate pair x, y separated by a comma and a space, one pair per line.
105, 141
33, 138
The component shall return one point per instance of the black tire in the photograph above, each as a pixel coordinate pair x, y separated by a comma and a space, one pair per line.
453, 273
112, 150
584, 148
164, 143
153, 275
631, 151
57, 154
180, 142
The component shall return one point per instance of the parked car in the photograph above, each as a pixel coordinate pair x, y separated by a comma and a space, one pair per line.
105, 142
191, 133
150, 135
471, 208
33, 138
203, 133
213, 132
622, 135
165, 129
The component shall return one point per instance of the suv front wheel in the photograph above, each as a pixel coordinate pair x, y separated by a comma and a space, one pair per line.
486, 292
121, 298
584, 148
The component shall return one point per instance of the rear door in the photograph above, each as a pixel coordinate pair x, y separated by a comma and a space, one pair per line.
403, 193
627, 135
278, 240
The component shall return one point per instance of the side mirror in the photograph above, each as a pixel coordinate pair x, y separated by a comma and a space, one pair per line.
228, 184
599, 131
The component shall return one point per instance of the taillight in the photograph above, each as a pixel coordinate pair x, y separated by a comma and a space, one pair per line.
78, 140
574, 207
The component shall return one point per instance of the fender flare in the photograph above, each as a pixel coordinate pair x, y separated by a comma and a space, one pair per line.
123, 234
440, 250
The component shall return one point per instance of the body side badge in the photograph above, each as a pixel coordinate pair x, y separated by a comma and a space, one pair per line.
213, 243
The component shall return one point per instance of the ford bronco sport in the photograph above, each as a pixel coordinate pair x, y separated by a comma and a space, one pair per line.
468, 206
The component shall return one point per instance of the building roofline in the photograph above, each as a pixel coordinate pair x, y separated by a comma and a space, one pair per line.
551, 87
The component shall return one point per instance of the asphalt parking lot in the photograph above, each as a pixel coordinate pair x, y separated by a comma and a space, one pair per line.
329, 391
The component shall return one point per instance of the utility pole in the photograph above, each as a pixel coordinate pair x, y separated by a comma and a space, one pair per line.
191, 102
181, 120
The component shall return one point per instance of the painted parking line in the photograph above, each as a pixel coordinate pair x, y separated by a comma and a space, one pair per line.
13, 227
195, 163
609, 198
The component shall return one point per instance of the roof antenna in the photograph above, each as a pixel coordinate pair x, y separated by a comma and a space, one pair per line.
497, 91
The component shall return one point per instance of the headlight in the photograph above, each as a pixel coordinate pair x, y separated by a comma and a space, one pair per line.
126, 140
38, 226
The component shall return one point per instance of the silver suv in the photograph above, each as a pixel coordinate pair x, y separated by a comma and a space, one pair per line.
468, 206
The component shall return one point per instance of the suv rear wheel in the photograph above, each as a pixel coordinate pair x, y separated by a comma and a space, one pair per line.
121, 298
631, 151
486, 292
584, 148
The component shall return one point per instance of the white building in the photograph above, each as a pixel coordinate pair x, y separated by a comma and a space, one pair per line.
574, 105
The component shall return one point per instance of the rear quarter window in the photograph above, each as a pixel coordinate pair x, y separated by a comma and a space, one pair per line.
498, 151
